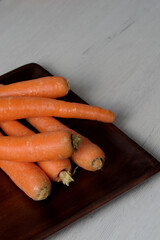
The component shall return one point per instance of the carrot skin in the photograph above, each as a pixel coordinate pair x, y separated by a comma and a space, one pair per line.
55, 167
29, 178
51, 168
38, 147
88, 156
15, 128
12, 108
52, 87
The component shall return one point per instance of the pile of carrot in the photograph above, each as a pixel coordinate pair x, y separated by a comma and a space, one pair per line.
32, 160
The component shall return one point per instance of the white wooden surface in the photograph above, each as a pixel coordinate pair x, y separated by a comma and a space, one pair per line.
111, 51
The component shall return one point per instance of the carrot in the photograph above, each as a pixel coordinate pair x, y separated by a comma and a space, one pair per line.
12, 108
53, 87
29, 178
15, 128
88, 156
38, 147
57, 170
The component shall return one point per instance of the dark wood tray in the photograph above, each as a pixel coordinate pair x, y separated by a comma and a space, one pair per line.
128, 165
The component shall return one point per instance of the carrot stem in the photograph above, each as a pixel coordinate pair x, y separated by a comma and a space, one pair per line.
98, 163
65, 177
44, 193
76, 140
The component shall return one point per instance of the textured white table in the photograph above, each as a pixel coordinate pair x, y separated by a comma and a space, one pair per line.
111, 51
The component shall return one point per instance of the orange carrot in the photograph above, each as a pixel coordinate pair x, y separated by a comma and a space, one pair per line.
38, 147
12, 108
57, 170
88, 156
53, 87
15, 128
29, 178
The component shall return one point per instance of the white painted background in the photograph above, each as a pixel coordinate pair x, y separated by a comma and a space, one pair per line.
111, 51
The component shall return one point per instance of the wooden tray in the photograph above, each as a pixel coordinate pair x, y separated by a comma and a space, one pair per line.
128, 165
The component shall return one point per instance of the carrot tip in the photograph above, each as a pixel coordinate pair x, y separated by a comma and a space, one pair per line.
76, 140
65, 177
68, 85
113, 117
98, 163
44, 193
